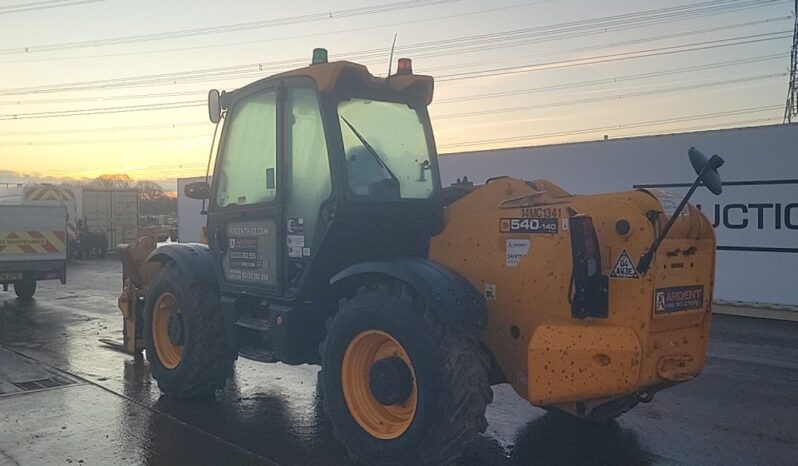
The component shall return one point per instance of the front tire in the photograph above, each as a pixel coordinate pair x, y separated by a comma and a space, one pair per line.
185, 336
25, 288
399, 385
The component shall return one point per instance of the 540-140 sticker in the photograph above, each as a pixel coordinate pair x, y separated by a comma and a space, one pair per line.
529, 225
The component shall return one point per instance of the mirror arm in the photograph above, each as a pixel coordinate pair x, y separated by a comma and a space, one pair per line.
645, 260
204, 211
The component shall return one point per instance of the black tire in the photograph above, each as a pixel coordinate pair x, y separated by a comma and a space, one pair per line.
25, 288
206, 360
450, 368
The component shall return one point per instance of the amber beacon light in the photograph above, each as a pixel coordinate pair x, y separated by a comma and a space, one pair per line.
404, 66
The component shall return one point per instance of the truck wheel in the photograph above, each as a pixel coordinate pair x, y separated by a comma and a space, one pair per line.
399, 385
25, 288
185, 337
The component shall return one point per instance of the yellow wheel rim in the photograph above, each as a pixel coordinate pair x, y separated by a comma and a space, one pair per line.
383, 422
168, 353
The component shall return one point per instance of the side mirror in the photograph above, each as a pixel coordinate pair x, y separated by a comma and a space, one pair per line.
200, 190
707, 169
214, 106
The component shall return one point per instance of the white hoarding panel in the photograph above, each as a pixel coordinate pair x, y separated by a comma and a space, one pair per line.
756, 216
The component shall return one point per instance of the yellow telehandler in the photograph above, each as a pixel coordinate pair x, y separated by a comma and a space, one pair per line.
331, 241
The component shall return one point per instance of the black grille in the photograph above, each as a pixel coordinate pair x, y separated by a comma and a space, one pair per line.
44, 383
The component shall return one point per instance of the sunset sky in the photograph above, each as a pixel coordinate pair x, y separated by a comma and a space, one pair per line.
89, 87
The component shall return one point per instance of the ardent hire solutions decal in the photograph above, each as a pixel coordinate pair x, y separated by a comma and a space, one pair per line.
678, 298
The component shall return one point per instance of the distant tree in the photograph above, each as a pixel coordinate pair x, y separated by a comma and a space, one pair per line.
149, 190
111, 181
73, 183
153, 200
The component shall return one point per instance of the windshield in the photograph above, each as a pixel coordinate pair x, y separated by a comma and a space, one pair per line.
386, 150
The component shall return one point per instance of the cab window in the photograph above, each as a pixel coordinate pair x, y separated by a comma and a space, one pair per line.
386, 150
247, 171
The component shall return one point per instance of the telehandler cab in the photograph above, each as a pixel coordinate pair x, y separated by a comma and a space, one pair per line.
331, 241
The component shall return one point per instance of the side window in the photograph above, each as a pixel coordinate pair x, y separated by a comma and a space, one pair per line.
247, 174
309, 167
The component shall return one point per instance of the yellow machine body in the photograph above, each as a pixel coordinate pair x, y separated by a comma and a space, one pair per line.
550, 357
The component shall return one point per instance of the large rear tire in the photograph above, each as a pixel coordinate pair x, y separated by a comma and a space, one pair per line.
185, 337
399, 385
25, 288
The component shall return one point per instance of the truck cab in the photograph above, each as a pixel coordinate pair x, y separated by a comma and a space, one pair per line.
316, 170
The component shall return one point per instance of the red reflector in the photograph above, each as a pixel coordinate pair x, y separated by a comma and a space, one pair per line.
587, 226
590, 248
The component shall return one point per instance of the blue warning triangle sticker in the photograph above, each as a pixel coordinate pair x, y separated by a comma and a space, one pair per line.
624, 267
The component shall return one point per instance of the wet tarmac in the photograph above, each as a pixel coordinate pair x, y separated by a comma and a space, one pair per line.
67, 399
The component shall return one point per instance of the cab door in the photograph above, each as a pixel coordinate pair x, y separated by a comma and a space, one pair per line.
307, 198
244, 215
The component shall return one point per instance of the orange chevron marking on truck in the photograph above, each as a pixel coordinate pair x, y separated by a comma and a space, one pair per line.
32, 242
49, 193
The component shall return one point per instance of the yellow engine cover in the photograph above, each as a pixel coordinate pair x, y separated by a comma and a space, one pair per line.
511, 240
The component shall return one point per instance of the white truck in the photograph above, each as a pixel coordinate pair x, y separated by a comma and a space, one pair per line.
33, 246
97, 220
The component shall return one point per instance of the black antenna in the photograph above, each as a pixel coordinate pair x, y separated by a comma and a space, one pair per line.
390, 60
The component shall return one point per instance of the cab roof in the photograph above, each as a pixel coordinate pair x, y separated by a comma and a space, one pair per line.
333, 76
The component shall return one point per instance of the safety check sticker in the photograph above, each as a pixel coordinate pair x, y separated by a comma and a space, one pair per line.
516, 249
529, 225
678, 298
624, 267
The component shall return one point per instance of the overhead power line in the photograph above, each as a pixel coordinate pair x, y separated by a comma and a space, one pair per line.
457, 44
227, 45
647, 37
711, 126
695, 46
658, 131
667, 90
479, 113
109, 129
261, 69
457, 76
104, 110
44, 5
248, 26
546, 33
106, 141
589, 27
592, 82
543, 89
528, 137
791, 108
613, 80
182, 168
69, 100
